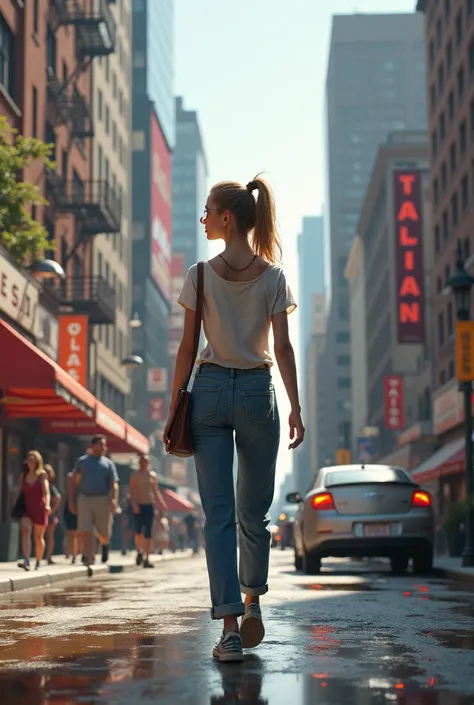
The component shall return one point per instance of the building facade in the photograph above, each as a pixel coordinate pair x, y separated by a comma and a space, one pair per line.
394, 229
190, 244
151, 218
111, 82
449, 34
375, 85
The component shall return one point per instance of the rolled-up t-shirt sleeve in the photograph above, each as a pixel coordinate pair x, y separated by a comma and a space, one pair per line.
284, 300
188, 295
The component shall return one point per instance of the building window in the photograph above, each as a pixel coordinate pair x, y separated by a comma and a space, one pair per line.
51, 51
447, 8
7, 57
469, 8
100, 104
34, 113
445, 226
463, 137
440, 330
344, 360
461, 84
434, 143
471, 58
440, 79
432, 53
344, 382
433, 96
467, 248
444, 177
447, 274
442, 126
436, 192
452, 370
451, 105
450, 321
452, 158
442, 378
107, 118
454, 210
437, 239
138, 140
449, 56
36, 17
343, 337
459, 28
465, 192
439, 285
439, 32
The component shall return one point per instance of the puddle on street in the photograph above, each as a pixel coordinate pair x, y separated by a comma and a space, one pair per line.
249, 683
340, 587
459, 639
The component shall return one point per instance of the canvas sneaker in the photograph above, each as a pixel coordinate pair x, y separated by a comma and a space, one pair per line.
252, 630
228, 648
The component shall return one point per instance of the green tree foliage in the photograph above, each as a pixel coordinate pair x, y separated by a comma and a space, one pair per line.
22, 236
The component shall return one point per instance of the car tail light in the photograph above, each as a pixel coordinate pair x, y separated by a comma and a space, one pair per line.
323, 500
421, 499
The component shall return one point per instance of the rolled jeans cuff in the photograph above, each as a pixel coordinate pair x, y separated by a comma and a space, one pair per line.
234, 608
254, 591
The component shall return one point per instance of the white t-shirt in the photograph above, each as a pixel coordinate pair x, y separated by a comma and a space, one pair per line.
237, 315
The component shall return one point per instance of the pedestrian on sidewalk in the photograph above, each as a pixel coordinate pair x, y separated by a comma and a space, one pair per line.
53, 519
35, 487
190, 522
74, 538
145, 497
97, 479
245, 294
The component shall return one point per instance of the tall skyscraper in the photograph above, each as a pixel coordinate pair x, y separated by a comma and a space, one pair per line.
152, 142
189, 239
375, 86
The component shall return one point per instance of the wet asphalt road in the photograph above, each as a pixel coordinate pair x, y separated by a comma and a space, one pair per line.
354, 635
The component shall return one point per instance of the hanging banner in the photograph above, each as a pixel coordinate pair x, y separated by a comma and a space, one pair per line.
73, 346
393, 395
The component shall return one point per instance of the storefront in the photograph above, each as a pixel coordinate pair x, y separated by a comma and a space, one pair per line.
42, 406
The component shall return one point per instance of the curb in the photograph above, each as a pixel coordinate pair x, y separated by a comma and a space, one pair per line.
8, 585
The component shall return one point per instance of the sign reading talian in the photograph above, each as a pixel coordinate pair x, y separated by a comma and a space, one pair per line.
409, 257
18, 295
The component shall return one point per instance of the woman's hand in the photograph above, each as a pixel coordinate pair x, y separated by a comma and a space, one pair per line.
48, 509
297, 429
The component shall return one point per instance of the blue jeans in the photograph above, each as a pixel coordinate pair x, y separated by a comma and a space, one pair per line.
225, 401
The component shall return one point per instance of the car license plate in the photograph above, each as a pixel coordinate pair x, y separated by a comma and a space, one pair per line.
376, 529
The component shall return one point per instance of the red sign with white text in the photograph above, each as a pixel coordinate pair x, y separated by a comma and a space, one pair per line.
161, 218
409, 257
157, 409
393, 399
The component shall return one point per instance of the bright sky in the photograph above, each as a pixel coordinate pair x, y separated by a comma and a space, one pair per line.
255, 71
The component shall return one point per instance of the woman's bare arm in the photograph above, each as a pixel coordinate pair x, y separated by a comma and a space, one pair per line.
184, 357
285, 357
46, 493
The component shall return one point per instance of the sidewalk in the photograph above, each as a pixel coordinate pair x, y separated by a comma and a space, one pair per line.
452, 568
13, 578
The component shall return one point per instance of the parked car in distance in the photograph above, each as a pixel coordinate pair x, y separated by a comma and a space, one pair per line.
286, 521
364, 511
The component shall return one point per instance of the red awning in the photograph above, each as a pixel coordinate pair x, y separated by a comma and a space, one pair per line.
35, 386
448, 460
176, 503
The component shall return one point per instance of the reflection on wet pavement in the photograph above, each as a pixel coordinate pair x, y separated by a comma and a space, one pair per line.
360, 639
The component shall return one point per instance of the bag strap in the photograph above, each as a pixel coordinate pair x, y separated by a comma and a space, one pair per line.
197, 319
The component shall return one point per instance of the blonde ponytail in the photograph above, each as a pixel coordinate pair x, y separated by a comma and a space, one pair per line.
265, 240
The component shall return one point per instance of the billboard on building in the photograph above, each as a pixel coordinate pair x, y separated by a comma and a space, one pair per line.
73, 346
410, 294
161, 214
393, 398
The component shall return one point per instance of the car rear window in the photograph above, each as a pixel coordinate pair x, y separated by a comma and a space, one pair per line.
356, 477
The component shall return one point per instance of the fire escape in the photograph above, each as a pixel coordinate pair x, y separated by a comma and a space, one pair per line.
94, 204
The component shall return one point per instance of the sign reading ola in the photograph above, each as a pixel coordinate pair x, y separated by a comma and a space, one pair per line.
409, 257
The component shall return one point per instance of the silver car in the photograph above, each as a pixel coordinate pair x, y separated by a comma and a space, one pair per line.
364, 510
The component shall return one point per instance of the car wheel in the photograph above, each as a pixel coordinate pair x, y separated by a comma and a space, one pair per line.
298, 562
423, 562
399, 564
311, 563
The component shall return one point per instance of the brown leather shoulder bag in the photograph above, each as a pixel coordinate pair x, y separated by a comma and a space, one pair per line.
179, 432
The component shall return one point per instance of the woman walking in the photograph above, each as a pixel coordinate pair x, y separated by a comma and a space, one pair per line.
53, 519
245, 295
35, 487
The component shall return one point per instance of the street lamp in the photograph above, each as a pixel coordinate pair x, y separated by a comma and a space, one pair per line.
132, 361
46, 269
135, 321
460, 283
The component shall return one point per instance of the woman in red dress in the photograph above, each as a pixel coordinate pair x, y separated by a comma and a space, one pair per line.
35, 487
